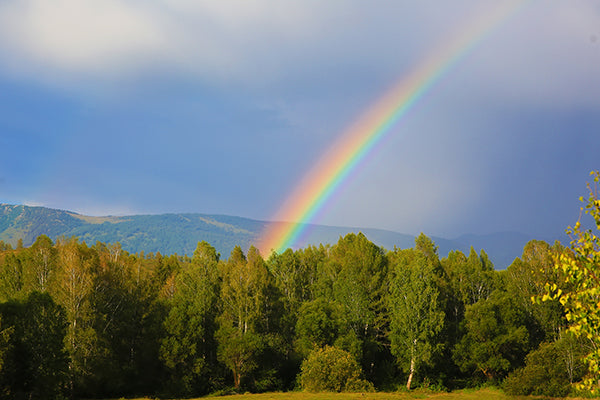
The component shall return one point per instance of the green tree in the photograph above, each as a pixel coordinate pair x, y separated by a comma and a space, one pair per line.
127, 321
527, 277
360, 283
239, 351
320, 323
415, 315
250, 310
35, 363
294, 275
357, 271
472, 277
454, 266
42, 264
497, 337
73, 291
12, 279
166, 275
188, 349
580, 267
246, 288
466, 280
314, 260
294, 278
5, 336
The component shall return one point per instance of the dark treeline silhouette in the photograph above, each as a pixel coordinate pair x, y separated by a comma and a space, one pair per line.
95, 321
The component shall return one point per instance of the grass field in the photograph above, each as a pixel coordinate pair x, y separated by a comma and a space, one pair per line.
462, 395
480, 394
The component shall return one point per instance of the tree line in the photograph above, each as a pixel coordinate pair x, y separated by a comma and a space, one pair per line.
96, 321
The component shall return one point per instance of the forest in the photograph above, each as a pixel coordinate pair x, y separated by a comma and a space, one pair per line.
93, 321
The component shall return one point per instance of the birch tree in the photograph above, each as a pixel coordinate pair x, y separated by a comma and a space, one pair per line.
415, 317
41, 264
248, 303
73, 291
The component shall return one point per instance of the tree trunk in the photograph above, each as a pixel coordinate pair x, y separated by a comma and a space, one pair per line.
412, 371
236, 380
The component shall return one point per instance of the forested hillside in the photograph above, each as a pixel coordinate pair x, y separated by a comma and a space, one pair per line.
94, 321
167, 233
179, 233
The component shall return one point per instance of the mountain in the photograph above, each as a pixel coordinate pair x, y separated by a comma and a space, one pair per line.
180, 233
167, 233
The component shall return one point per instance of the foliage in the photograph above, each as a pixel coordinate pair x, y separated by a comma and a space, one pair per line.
188, 349
41, 266
294, 277
527, 278
239, 351
497, 337
35, 362
249, 316
5, 336
356, 272
74, 293
580, 267
415, 315
12, 279
359, 283
549, 371
472, 277
320, 323
332, 370
462, 282
112, 324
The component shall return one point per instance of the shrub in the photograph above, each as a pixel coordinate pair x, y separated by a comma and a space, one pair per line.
549, 370
333, 370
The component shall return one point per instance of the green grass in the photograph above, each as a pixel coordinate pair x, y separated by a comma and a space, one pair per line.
486, 394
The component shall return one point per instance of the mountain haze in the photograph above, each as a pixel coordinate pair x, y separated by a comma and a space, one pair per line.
180, 233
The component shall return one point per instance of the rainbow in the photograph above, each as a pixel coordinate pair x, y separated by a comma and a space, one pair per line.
312, 194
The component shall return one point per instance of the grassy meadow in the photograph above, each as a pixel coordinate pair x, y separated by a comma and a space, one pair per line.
485, 394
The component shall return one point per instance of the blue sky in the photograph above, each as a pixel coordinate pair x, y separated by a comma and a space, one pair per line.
120, 107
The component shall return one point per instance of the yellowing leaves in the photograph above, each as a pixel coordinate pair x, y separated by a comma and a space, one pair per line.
546, 297
582, 278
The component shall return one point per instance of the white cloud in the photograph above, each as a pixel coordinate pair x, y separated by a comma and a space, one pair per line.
99, 38
84, 36
229, 40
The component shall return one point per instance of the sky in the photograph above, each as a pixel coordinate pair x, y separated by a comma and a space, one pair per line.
111, 107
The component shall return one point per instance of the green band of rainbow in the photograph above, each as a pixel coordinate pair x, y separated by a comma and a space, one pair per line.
319, 185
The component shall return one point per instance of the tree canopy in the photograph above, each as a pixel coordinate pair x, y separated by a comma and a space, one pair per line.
79, 320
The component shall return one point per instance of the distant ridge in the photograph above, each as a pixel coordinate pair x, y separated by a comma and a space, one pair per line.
180, 233
165, 233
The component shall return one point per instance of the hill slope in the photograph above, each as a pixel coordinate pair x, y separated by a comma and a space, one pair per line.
180, 233
167, 233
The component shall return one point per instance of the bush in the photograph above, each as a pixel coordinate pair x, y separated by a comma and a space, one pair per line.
332, 370
549, 370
